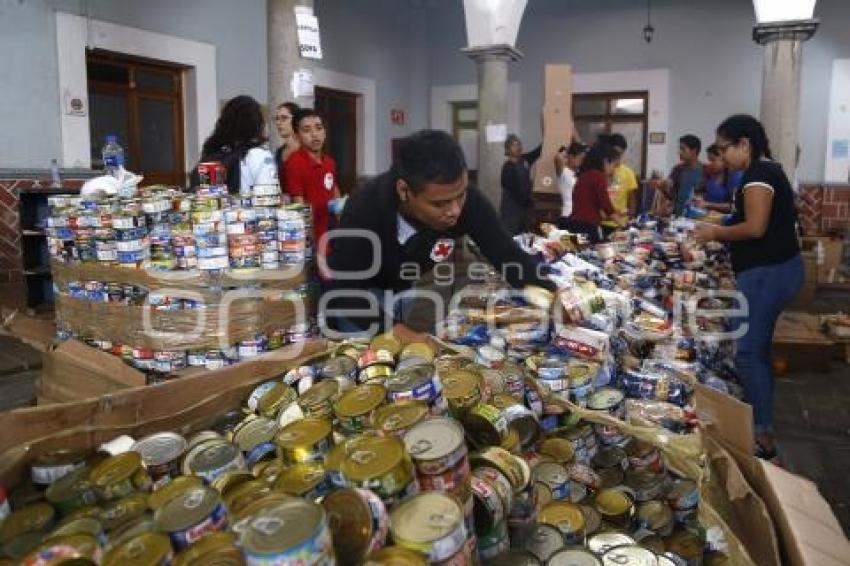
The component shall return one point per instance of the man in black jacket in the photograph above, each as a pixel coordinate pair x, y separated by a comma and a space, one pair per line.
403, 223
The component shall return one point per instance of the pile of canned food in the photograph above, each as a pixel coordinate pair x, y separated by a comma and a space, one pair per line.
642, 314
206, 232
377, 454
166, 229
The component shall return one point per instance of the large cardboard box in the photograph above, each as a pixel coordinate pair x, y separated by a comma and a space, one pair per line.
804, 525
557, 124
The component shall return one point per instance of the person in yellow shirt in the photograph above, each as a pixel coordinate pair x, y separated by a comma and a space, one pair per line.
622, 189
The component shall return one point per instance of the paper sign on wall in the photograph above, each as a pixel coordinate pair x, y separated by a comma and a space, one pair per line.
840, 149
307, 29
302, 83
496, 133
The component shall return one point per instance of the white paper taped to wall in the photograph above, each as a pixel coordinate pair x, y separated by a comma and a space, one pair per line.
496, 133
302, 83
307, 29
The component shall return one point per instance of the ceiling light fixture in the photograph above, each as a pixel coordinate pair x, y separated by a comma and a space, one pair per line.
648, 30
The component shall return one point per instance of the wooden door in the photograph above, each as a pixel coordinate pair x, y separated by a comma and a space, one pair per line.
339, 110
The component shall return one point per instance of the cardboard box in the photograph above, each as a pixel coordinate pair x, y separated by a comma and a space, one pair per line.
828, 253
557, 124
806, 528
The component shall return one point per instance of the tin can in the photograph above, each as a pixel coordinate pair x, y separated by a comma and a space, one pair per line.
191, 515
118, 513
36, 517
114, 477
377, 373
683, 498
506, 463
396, 419
338, 366
646, 485
686, 545
430, 523
161, 453
515, 558
436, 445
386, 343
212, 173
419, 383
616, 508
420, 350
554, 476
256, 440
215, 548
462, 390
211, 459
494, 543
307, 440
485, 425
377, 463
358, 521
520, 419
397, 556
574, 557
629, 555
612, 402
167, 492
293, 531
48, 468
645, 456
544, 541
557, 449
241, 499
317, 401
656, 516
355, 407
600, 543
567, 518
307, 480
144, 549
488, 506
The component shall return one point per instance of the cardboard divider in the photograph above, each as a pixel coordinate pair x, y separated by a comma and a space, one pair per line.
557, 124
25, 433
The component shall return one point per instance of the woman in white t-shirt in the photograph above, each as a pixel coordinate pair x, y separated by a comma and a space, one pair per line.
238, 142
567, 162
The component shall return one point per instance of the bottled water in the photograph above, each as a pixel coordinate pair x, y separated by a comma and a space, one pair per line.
113, 156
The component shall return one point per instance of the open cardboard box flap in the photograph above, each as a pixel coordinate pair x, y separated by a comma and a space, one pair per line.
808, 532
37, 332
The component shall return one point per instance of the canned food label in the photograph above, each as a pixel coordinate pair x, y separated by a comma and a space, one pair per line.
216, 521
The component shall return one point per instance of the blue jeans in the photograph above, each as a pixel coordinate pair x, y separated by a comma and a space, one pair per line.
768, 290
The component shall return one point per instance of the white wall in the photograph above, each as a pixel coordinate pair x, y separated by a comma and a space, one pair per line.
30, 99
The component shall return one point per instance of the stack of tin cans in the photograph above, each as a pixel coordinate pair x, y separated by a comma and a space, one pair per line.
322, 466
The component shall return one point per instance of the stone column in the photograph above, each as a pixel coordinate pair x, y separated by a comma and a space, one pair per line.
780, 94
492, 64
283, 57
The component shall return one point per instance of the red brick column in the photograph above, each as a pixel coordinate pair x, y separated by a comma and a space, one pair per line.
835, 212
12, 291
810, 204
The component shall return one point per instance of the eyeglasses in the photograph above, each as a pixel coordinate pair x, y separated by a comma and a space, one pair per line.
722, 147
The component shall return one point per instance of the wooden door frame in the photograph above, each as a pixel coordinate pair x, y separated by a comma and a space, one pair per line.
133, 94
351, 143
611, 119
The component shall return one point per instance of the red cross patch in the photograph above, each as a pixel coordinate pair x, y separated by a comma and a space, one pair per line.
442, 250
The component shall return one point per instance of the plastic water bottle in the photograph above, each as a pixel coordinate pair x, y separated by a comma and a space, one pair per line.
113, 156
54, 174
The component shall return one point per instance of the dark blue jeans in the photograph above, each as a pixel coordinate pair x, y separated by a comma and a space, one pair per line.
768, 290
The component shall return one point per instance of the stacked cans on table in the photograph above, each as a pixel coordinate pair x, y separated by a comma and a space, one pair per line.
209, 228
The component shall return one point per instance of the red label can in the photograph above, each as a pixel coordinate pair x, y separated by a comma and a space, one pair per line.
212, 173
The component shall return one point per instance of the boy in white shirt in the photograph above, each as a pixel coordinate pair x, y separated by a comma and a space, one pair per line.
567, 162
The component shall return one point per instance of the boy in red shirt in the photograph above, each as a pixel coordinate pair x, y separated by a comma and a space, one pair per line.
310, 174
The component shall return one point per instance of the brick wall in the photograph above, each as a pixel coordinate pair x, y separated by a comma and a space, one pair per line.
825, 209
12, 285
